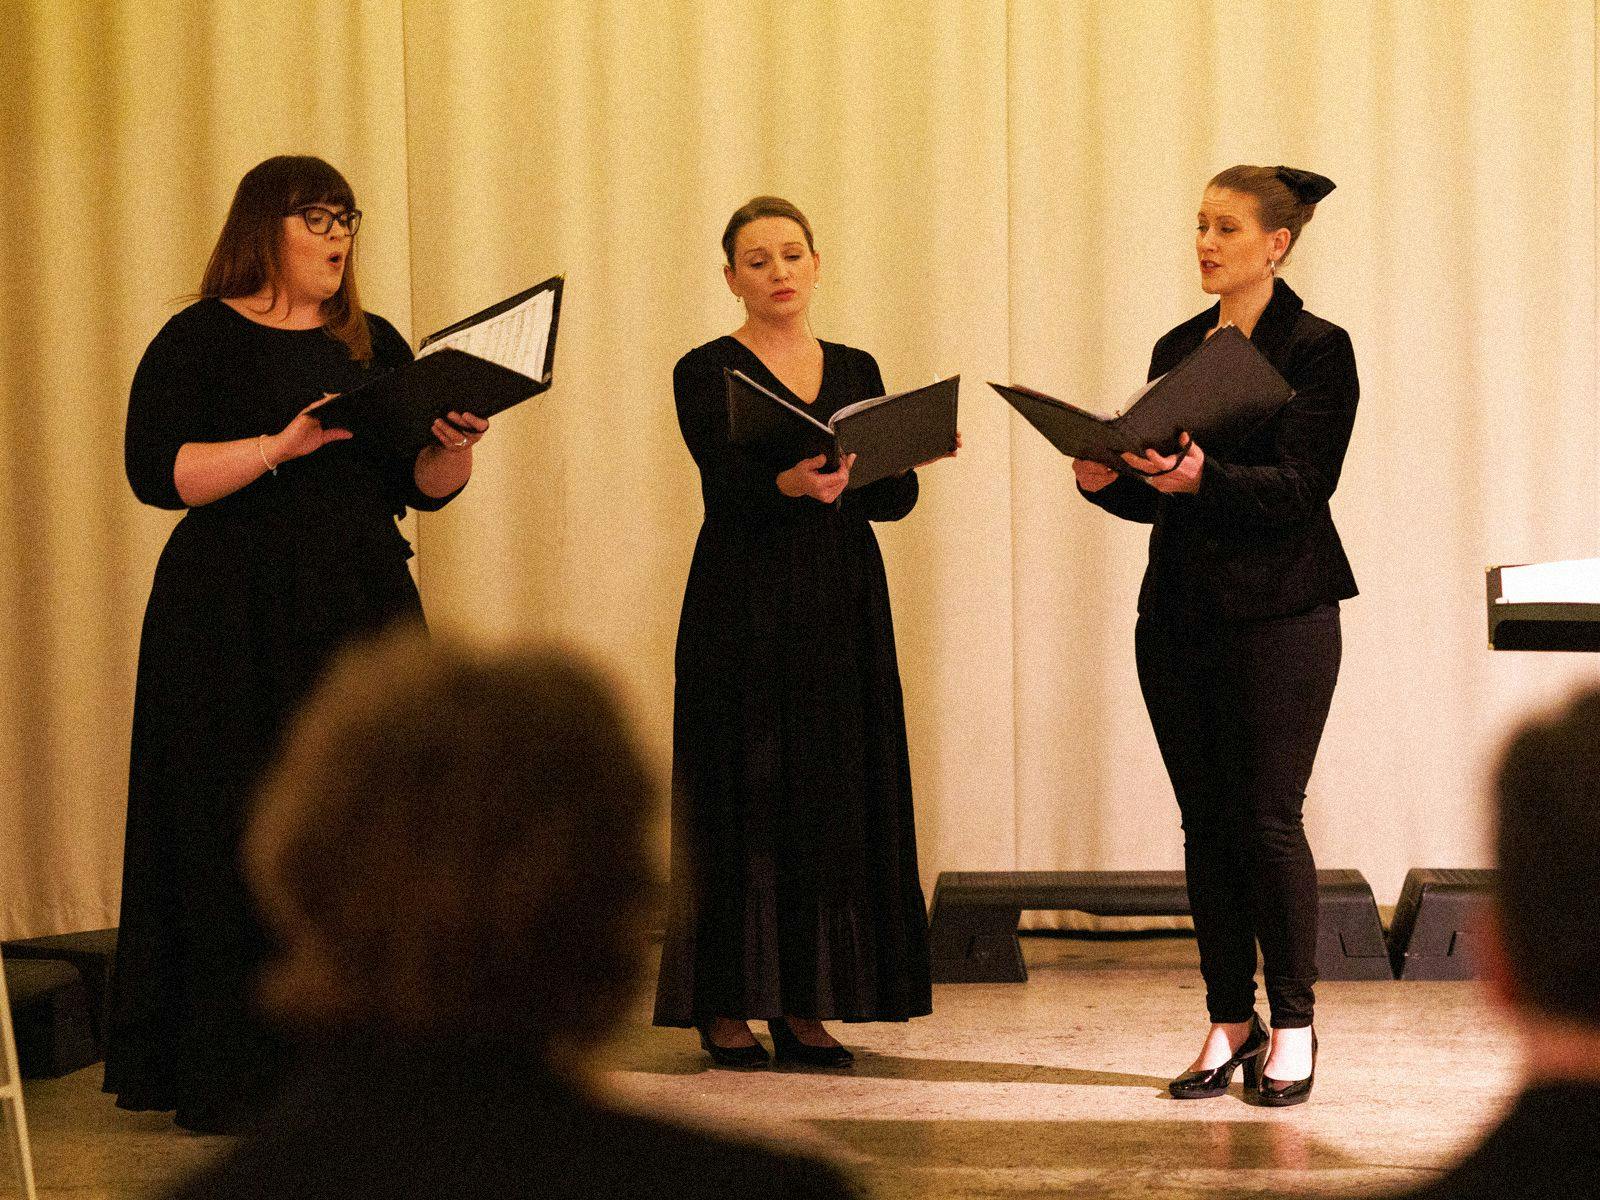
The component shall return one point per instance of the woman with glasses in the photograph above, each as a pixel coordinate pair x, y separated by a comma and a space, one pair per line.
288, 548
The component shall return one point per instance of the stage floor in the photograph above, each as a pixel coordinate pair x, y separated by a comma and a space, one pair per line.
1053, 1087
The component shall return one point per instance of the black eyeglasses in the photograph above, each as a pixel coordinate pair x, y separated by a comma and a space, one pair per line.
319, 219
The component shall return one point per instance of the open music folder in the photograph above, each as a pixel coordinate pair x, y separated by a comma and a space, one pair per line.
889, 435
1219, 395
481, 365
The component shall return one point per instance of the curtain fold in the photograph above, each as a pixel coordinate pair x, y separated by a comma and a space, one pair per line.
1001, 190
126, 127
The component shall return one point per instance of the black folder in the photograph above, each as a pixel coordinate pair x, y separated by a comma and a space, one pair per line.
1219, 395
397, 409
889, 435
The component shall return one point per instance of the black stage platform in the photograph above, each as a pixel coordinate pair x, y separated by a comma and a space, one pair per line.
975, 915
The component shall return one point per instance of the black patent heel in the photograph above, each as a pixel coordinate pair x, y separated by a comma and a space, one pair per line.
1275, 1093
1253, 1068
1202, 1085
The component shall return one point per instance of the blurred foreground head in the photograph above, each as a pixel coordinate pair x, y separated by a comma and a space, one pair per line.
1549, 864
453, 843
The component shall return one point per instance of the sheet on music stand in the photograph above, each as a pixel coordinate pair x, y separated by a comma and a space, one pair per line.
1573, 581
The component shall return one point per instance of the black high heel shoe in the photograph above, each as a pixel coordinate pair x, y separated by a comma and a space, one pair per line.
1251, 1054
787, 1048
1275, 1093
732, 1056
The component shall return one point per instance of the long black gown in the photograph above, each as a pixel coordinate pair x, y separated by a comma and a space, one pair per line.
794, 878
252, 595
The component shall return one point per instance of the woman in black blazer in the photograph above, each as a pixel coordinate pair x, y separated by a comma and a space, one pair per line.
1238, 636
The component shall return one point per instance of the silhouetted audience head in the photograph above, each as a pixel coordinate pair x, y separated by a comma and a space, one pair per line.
1539, 951
1544, 947
453, 852
453, 842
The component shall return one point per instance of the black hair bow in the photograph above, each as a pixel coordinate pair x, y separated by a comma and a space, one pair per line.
1308, 186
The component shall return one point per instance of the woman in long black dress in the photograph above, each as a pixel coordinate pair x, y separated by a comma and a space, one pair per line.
795, 896
1238, 640
289, 547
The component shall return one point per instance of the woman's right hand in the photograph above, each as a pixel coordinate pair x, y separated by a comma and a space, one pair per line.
1092, 476
303, 435
806, 478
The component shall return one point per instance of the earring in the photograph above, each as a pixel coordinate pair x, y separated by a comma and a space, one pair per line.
1272, 266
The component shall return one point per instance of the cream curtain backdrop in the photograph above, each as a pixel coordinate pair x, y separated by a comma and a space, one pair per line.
124, 129
1000, 189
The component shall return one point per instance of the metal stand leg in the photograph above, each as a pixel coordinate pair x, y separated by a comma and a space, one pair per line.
11, 1095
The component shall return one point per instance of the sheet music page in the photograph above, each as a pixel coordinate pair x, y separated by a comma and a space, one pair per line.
517, 339
1575, 581
874, 401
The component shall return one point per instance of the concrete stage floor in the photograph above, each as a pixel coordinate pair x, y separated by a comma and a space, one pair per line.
1049, 1088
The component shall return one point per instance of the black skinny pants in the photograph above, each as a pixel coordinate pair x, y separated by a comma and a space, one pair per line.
1238, 710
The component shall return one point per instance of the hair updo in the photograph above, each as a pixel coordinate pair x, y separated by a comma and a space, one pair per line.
1279, 205
756, 208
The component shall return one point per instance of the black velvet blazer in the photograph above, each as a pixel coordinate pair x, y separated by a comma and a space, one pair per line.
1257, 540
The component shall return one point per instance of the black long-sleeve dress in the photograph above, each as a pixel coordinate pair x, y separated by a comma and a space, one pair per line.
794, 879
252, 595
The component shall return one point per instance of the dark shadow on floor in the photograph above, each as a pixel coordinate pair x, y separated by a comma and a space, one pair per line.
946, 1070
1243, 1145
659, 1057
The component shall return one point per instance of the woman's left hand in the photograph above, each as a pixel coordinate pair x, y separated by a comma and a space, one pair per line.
1171, 473
459, 431
445, 465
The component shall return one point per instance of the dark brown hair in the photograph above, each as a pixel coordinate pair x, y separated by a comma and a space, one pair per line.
453, 842
756, 208
1548, 859
1276, 205
246, 257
